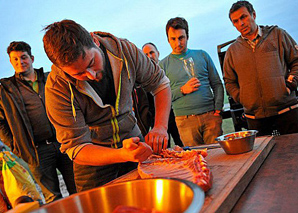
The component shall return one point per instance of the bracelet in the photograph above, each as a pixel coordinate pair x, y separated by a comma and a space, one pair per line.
217, 112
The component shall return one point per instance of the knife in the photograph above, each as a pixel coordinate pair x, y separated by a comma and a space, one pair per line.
207, 146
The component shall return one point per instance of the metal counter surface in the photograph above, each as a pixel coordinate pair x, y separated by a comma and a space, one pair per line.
274, 188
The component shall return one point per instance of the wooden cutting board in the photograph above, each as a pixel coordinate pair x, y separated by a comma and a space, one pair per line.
231, 174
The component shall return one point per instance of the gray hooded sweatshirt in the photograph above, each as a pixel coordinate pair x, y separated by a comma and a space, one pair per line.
78, 113
258, 79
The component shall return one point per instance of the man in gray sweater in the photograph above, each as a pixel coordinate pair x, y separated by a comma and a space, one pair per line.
261, 72
88, 95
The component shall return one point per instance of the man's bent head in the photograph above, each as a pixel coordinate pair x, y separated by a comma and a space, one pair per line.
65, 41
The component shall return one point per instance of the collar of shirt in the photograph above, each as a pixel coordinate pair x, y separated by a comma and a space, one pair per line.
179, 56
28, 80
33, 84
254, 42
259, 34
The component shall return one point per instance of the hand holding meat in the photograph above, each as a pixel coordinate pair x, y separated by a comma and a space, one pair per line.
157, 139
135, 151
192, 85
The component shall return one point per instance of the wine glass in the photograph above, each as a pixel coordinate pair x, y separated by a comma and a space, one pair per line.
189, 67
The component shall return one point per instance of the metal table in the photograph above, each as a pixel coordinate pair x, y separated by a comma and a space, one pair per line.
274, 188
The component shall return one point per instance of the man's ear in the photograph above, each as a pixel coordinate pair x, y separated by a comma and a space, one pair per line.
95, 39
32, 58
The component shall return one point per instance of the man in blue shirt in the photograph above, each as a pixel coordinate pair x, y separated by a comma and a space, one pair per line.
197, 91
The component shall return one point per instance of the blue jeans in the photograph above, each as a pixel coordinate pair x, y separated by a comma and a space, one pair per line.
51, 159
199, 129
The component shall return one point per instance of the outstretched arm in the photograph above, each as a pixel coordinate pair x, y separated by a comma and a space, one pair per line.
94, 155
157, 138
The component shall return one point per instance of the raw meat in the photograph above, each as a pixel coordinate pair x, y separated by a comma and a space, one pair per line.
187, 165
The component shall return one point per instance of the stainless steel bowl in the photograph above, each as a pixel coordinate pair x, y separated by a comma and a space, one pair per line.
237, 142
164, 195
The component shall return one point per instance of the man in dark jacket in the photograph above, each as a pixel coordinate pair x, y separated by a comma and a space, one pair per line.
25, 127
261, 73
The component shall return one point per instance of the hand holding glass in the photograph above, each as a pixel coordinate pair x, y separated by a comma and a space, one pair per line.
189, 67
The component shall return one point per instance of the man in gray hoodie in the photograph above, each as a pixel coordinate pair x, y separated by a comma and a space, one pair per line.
88, 95
261, 73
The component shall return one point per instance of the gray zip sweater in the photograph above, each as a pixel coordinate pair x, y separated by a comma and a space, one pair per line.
258, 79
77, 112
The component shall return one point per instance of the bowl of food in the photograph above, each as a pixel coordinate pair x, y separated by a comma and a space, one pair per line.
142, 195
237, 142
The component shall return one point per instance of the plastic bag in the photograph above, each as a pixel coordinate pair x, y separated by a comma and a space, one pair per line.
4, 204
17, 180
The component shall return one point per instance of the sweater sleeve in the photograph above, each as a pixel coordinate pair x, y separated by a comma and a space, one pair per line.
215, 84
230, 77
65, 113
176, 92
291, 58
148, 73
5, 133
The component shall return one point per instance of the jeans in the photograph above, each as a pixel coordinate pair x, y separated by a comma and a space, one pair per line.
285, 123
51, 159
199, 129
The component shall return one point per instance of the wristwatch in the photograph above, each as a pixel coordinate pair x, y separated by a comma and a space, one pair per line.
181, 91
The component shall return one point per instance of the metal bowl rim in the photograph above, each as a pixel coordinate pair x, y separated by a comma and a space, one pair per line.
195, 205
220, 138
198, 193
